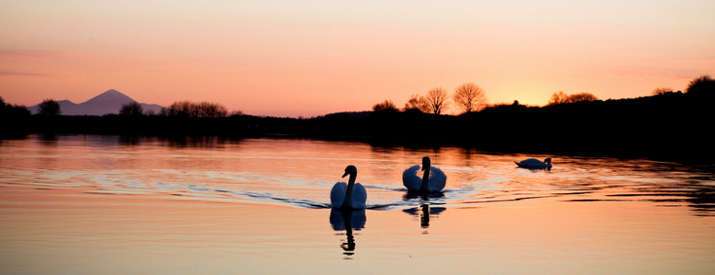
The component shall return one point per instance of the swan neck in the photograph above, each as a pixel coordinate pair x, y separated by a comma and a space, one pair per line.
425, 179
349, 192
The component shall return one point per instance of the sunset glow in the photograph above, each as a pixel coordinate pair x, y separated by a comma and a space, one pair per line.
305, 58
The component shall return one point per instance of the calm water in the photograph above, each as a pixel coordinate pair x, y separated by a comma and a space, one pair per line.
95, 204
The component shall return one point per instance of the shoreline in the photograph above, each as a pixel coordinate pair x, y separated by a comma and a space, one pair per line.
665, 126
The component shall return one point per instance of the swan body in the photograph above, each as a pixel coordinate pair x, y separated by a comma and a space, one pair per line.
348, 195
533, 163
436, 181
338, 196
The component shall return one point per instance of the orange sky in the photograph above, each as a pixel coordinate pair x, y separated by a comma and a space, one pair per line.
315, 57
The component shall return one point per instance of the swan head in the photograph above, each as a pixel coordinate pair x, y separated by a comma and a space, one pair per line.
350, 170
547, 161
426, 162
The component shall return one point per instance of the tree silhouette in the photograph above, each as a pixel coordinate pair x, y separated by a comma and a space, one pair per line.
49, 107
662, 91
212, 110
385, 106
133, 109
12, 111
558, 98
416, 103
186, 109
470, 97
581, 97
436, 100
702, 86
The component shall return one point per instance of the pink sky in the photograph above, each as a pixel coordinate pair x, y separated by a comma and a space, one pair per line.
316, 57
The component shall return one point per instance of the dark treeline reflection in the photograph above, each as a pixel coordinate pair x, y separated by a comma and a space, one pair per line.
668, 124
180, 141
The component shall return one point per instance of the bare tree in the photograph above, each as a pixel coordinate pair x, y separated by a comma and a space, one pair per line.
436, 100
470, 97
558, 98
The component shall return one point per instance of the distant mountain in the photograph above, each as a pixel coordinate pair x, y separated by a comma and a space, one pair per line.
108, 102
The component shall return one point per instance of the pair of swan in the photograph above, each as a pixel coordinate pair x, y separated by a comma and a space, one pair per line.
353, 195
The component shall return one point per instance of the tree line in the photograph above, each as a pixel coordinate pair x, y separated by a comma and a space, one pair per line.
469, 97
179, 109
667, 123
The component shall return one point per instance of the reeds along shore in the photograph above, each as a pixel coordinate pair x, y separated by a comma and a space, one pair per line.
671, 124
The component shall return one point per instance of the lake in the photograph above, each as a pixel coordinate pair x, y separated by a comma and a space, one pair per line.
118, 205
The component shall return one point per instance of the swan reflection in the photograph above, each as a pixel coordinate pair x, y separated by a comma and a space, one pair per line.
348, 220
424, 197
424, 211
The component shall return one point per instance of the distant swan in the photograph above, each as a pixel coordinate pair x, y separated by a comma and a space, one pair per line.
433, 179
535, 164
348, 196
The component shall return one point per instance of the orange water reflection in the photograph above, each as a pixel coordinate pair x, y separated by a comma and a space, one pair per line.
88, 205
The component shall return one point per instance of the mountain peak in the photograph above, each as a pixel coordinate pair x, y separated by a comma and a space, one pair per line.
111, 92
108, 102
111, 95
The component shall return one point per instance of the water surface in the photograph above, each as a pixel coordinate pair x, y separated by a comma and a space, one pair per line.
103, 204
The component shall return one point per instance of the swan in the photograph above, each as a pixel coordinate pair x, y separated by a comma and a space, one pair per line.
433, 179
348, 196
533, 163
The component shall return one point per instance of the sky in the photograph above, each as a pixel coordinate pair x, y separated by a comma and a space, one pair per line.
306, 58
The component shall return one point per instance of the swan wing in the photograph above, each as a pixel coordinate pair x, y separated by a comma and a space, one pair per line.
410, 179
437, 180
337, 194
359, 198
